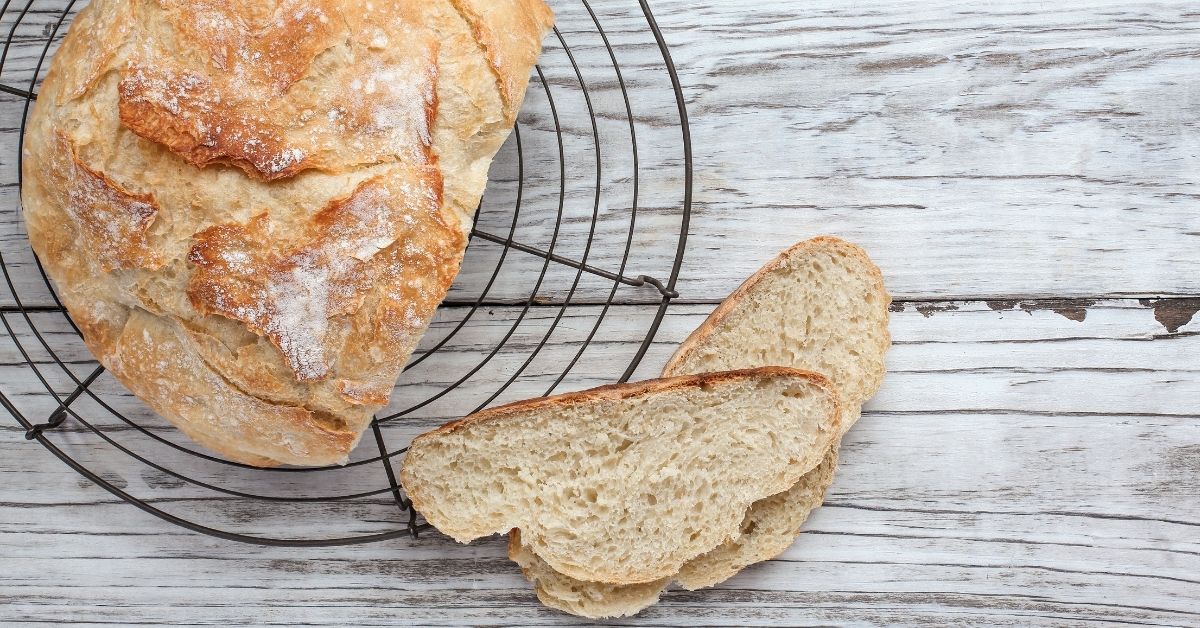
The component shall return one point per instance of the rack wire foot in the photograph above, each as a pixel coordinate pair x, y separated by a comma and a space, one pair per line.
662, 289
60, 414
566, 261
56, 419
404, 503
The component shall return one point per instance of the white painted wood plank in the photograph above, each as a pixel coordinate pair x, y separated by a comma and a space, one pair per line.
961, 499
975, 151
1019, 467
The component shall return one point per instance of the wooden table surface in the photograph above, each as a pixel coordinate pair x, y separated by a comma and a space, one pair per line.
1026, 176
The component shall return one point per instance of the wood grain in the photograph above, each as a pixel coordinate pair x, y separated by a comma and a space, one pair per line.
1026, 176
1046, 151
1030, 149
1011, 470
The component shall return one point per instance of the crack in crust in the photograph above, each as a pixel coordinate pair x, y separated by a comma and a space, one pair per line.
499, 30
248, 101
112, 221
276, 45
297, 295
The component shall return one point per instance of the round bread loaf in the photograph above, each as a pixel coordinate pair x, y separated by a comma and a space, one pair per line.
251, 209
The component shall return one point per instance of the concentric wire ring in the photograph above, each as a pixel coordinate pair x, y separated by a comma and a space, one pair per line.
126, 439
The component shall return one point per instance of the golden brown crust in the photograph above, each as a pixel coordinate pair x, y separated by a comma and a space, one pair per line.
290, 291
276, 43
500, 31
734, 299
617, 392
250, 112
152, 360
113, 222
270, 193
98, 35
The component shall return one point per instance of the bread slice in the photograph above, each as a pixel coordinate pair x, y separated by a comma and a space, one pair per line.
770, 527
820, 305
623, 484
595, 600
778, 516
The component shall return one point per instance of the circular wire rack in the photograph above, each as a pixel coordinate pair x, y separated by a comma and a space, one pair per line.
586, 213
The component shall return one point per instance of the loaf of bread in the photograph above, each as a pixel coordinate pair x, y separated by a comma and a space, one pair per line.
623, 484
820, 305
252, 209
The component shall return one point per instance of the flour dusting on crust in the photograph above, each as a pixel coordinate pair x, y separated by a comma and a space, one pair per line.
298, 295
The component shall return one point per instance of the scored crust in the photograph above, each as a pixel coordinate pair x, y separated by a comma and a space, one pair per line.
252, 209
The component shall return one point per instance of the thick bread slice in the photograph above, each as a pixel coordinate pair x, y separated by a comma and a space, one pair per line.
623, 484
770, 527
819, 305
595, 600
777, 516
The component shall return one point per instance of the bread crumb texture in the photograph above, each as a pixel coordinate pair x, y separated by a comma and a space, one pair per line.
624, 484
820, 305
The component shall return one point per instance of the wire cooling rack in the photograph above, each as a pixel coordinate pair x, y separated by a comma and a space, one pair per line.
586, 212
